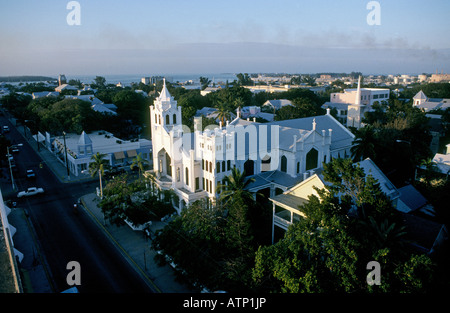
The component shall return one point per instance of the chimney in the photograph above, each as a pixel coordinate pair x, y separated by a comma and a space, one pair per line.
305, 175
328, 111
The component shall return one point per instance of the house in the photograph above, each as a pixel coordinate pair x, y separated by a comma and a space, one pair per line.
103, 109
421, 101
208, 90
43, 94
277, 104
80, 149
193, 164
213, 113
286, 205
63, 87
443, 162
250, 112
353, 103
423, 235
411, 200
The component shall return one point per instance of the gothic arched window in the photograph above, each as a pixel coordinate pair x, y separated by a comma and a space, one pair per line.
284, 164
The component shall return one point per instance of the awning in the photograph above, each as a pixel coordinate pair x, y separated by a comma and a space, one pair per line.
131, 153
119, 155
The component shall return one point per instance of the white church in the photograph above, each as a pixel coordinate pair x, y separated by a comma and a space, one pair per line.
278, 155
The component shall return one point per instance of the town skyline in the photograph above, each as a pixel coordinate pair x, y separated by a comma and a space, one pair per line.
177, 37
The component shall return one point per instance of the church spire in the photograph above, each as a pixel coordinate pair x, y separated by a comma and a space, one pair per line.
165, 94
358, 92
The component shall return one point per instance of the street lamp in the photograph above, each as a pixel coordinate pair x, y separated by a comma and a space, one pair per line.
65, 151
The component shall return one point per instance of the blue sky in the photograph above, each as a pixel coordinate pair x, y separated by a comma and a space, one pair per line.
178, 36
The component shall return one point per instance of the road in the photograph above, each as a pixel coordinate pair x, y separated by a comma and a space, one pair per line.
65, 236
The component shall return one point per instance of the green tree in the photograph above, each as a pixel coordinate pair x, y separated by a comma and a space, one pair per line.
235, 185
364, 144
327, 251
97, 167
204, 81
140, 163
99, 82
244, 79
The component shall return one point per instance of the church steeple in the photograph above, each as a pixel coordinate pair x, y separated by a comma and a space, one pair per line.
358, 92
165, 111
165, 94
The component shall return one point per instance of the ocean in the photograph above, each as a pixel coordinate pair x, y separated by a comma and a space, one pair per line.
126, 80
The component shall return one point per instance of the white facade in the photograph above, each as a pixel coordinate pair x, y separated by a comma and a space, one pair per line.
193, 164
80, 149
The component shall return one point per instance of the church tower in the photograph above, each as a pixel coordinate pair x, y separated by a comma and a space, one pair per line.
165, 123
165, 110
355, 111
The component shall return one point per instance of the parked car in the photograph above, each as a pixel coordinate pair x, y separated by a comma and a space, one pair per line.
30, 192
6, 129
15, 149
31, 174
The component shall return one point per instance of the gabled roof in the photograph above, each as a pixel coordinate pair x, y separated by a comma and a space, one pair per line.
412, 198
276, 177
370, 168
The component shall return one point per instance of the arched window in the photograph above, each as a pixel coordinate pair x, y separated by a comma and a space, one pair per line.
168, 165
218, 167
167, 119
283, 163
265, 163
249, 167
312, 158
187, 176
174, 119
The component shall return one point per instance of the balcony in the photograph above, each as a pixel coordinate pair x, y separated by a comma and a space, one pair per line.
282, 219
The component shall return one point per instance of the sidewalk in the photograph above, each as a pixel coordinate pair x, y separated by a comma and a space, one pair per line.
135, 247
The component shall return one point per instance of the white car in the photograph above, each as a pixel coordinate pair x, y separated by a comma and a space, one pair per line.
30, 192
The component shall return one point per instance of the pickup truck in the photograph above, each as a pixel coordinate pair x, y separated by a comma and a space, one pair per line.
30, 192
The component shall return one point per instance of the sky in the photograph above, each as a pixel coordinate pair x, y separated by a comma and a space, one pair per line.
157, 37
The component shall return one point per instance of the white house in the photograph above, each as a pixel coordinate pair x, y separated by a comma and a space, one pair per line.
193, 164
421, 101
277, 104
80, 149
353, 103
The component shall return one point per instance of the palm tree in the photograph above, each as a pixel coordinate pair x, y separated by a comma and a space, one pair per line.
222, 113
364, 144
150, 175
98, 166
386, 233
235, 185
140, 163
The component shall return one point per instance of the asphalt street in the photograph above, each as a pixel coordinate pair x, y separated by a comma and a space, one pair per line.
63, 236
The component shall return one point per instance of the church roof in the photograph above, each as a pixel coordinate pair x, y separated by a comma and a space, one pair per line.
341, 137
84, 139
